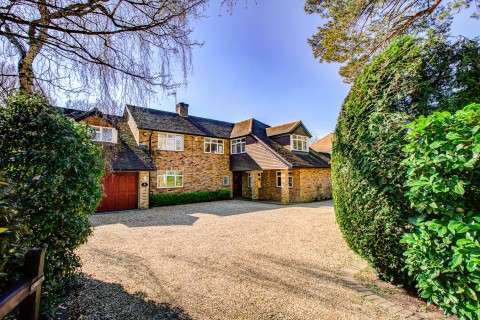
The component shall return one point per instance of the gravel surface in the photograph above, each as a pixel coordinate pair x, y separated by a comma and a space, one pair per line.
219, 260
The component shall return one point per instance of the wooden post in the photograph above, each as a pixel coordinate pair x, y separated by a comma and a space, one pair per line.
33, 269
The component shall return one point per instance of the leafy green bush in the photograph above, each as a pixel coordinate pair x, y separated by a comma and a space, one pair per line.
55, 168
12, 233
167, 199
410, 78
443, 254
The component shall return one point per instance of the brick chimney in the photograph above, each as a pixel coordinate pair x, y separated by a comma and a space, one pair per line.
182, 109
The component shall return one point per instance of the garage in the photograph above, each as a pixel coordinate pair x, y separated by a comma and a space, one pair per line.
121, 192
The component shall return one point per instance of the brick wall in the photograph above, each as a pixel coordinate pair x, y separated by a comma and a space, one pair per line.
316, 184
308, 185
143, 193
202, 171
95, 120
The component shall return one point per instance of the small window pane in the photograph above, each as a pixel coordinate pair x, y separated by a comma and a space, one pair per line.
179, 181
98, 134
170, 181
107, 134
179, 143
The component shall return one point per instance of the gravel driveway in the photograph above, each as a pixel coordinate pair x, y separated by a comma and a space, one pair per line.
220, 260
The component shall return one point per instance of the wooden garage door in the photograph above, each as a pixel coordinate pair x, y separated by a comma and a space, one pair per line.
121, 192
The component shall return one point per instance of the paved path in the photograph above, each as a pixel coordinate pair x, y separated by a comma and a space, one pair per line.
221, 260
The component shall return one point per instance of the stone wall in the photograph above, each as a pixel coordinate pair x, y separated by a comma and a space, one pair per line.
202, 171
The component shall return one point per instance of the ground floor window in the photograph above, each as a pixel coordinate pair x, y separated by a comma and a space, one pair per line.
279, 179
249, 180
169, 179
226, 181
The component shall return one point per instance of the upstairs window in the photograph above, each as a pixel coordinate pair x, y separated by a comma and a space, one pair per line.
170, 141
213, 146
279, 179
169, 179
238, 146
299, 143
104, 134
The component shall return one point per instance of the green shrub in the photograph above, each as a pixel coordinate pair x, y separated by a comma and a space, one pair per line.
443, 254
168, 199
410, 78
12, 233
55, 168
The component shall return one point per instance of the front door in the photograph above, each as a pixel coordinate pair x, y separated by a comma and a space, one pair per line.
237, 183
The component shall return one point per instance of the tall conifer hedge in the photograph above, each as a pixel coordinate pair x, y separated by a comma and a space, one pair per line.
412, 77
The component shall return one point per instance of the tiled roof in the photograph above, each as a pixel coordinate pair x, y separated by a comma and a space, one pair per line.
242, 128
128, 156
125, 154
324, 144
301, 159
282, 129
286, 129
151, 119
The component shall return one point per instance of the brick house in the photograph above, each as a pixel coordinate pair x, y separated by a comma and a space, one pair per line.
170, 152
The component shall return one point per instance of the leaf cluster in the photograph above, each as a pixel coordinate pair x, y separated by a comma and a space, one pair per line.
443, 180
55, 169
12, 233
412, 77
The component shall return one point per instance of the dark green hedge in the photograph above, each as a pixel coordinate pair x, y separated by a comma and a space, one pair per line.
410, 78
168, 199
53, 168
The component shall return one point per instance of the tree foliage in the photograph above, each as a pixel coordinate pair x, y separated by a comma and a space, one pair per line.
12, 234
97, 46
443, 181
355, 30
55, 168
412, 77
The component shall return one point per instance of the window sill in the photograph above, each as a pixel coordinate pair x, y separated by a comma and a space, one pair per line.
169, 187
170, 150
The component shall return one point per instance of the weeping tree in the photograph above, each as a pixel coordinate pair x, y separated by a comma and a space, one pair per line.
355, 30
101, 47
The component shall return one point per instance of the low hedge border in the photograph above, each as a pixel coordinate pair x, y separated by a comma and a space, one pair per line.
168, 199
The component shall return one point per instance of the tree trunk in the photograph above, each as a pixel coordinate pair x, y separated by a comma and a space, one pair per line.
25, 74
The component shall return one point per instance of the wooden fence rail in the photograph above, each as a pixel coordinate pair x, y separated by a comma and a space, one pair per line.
25, 294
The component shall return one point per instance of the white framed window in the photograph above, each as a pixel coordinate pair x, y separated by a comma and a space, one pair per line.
213, 146
104, 134
249, 180
299, 143
226, 181
238, 146
169, 179
170, 141
279, 179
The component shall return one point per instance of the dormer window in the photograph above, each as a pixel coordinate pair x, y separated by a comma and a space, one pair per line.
299, 143
104, 134
238, 146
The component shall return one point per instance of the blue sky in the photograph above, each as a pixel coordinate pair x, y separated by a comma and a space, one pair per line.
256, 63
